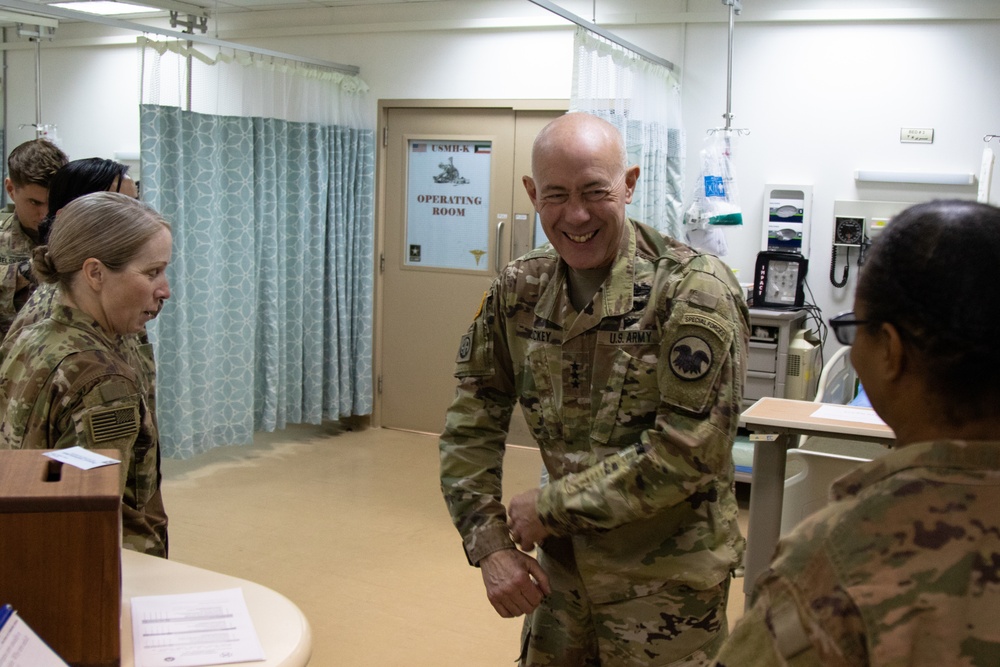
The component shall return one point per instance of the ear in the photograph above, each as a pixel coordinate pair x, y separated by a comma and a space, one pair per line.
9, 187
93, 272
631, 178
894, 352
529, 187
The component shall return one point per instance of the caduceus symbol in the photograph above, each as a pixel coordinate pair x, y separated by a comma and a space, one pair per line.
478, 254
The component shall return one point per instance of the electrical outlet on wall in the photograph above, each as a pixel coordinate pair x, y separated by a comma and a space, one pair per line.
916, 135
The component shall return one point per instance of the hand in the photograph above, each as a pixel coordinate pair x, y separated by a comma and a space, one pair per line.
515, 582
526, 528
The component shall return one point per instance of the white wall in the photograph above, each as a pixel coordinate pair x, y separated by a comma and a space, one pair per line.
821, 99
91, 94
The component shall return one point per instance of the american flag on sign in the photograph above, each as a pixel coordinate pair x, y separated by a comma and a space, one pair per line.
419, 148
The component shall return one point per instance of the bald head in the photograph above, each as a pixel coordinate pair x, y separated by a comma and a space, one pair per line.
580, 186
578, 133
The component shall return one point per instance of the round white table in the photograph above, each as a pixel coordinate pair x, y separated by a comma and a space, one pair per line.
283, 630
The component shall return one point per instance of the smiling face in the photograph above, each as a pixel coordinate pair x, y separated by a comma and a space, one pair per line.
134, 295
579, 187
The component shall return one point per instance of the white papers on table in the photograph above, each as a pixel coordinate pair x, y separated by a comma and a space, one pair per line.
192, 629
845, 413
84, 459
20, 646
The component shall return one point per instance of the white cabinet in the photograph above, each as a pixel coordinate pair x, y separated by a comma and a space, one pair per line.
771, 332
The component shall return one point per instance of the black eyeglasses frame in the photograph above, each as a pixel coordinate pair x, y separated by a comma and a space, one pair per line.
845, 327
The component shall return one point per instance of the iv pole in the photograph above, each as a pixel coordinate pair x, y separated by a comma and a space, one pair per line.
735, 7
36, 36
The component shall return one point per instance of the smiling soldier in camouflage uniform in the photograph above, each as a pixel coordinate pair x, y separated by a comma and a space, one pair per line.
904, 567
625, 350
64, 380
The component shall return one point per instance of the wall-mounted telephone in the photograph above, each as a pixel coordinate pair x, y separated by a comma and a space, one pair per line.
848, 232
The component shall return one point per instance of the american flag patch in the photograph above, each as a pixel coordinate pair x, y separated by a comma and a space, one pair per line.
113, 423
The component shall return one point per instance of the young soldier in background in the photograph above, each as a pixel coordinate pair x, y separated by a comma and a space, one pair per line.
30, 168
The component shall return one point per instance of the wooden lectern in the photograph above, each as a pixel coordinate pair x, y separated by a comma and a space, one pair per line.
60, 553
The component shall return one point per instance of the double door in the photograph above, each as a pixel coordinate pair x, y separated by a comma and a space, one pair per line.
454, 213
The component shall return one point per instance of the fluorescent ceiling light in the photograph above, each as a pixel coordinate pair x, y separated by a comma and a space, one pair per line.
922, 177
107, 7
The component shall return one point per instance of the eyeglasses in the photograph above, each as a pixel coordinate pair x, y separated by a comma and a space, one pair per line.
845, 327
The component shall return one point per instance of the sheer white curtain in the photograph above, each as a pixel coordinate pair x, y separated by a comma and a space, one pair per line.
642, 99
265, 169
237, 83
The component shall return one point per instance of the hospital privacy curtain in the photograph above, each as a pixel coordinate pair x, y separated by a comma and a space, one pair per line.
643, 100
269, 320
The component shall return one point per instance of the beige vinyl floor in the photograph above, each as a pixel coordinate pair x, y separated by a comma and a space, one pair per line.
350, 526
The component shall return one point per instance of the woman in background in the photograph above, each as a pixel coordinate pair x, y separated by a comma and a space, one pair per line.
904, 567
65, 381
81, 177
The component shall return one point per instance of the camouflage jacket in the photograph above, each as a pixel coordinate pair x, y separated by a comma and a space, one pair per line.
904, 569
16, 281
136, 348
633, 402
65, 383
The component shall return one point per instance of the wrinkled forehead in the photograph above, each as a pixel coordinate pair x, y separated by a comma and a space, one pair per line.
575, 171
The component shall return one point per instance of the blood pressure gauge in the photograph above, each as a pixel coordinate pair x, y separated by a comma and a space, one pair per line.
848, 231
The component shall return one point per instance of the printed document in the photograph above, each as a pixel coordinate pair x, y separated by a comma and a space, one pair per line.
20, 646
193, 629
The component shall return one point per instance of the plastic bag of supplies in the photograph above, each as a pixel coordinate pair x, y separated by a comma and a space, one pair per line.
716, 196
701, 236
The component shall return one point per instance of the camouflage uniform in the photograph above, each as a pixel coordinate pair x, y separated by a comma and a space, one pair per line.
634, 405
63, 383
136, 348
16, 279
903, 570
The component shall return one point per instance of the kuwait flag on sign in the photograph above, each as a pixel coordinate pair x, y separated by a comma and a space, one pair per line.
482, 148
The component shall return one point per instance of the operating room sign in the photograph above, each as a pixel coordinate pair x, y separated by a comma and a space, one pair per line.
448, 204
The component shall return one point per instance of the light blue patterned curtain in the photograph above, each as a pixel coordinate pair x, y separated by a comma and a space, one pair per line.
269, 321
643, 100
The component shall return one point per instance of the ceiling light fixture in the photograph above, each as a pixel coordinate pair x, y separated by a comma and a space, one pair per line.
107, 7
115, 8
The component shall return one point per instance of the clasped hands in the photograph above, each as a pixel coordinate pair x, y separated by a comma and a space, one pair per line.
515, 582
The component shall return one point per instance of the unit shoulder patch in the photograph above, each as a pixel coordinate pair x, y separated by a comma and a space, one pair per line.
691, 358
697, 349
465, 348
